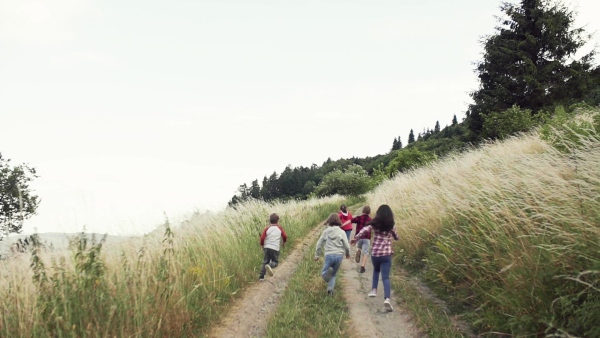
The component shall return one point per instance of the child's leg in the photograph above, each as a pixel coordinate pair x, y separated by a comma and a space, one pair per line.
266, 259
337, 262
376, 269
386, 266
365, 251
327, 263
274, 255
348, 233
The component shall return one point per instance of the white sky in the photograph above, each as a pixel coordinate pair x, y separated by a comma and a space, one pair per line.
132, 109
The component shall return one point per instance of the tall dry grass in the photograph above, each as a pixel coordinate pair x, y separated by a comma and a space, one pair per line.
510, 232
173, 282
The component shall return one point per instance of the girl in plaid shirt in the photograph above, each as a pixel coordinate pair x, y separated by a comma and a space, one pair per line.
382, 226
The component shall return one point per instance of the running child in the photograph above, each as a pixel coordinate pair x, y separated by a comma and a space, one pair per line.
270, 240
334, 243
362, 244
382, 226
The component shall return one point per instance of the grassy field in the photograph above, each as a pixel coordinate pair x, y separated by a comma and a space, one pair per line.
508, 233
172, 283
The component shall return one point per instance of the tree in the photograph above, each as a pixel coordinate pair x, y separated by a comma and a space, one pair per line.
454, 120
411, 137
407, 159
397, 144
255, 190
529, 61
436, 129
353, 181
17, 200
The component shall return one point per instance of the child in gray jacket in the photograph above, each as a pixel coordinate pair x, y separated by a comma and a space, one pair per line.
334, 243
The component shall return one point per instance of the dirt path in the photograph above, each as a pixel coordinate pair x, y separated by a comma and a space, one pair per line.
249, 316
368, 316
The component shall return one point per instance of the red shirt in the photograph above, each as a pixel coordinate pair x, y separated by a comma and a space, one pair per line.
344, 219
360, 223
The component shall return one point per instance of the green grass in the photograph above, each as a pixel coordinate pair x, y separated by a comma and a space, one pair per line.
305, 309
508, 234
429, 317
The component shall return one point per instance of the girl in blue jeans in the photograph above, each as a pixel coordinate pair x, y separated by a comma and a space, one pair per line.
381, 255
334, 243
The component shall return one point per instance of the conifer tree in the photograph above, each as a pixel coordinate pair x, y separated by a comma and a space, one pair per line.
454, 120
529, 61
411, 137
436, 129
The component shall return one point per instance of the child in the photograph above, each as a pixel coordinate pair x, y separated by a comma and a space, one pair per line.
334, 243
345, 217
381, 255
269, 241
363, 243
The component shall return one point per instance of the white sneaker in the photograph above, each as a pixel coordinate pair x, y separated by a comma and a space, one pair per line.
373, 293
269, 270
388, 305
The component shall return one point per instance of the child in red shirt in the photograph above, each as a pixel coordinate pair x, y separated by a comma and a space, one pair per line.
269, 241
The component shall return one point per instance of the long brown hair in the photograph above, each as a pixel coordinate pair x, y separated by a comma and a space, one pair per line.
333, 219
384, 218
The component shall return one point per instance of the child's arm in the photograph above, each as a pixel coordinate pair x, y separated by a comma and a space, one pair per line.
361, 233
320, 244
346, 245
283, 235
263, 236
395, 234
351, 220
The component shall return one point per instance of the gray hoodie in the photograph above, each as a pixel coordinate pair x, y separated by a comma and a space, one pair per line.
335, 242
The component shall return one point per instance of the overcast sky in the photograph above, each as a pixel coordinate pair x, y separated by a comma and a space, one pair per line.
133, 109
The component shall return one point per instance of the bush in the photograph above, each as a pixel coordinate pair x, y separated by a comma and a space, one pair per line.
353, 181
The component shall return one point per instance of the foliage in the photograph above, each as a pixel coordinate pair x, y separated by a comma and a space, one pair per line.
509, 122
17, 199
528, 62
353, 181
567, 131
407, 159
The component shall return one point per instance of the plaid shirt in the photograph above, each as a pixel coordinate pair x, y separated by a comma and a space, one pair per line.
360, 223
382, 240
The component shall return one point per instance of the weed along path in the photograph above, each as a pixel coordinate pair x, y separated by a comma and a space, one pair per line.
250, 314
368, 316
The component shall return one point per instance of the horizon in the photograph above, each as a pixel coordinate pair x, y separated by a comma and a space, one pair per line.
133, 113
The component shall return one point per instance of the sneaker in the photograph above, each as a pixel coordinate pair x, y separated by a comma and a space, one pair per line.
362, 269
330, 292
373, 293
269, 270
388, 305
357, 257
261, 279
328, 274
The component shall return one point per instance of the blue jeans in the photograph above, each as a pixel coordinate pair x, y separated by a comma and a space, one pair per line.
382, 264
333, 261
348, 234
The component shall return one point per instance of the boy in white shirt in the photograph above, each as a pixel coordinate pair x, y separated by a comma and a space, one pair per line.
269, 241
